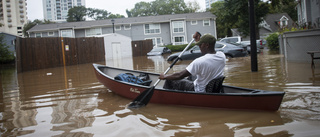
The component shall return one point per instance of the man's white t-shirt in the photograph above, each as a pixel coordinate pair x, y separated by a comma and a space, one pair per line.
206, 68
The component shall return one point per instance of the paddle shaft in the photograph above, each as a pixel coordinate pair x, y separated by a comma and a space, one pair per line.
175, 61
144, 98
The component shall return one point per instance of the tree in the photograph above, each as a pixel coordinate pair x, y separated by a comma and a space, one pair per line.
273, 41
30, 25
77, 13
223, 27
287, 6
115, 16
237, 13
193, 6
159, 7
140, 9
5, 55
97, 14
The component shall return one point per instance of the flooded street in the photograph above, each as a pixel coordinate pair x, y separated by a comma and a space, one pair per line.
71, 102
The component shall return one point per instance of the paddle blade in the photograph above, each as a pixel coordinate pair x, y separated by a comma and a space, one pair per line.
143, 99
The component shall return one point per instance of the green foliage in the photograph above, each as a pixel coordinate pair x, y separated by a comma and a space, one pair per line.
292, 29
177, 48
113, 16
223, 27
77, 13
140, 9
97, 14
193, 6
30, 24
237, 13
284, 6
160, 7
273, 41
5, 55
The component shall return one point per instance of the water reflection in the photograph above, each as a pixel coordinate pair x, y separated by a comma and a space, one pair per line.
45, 99
160, 120
71, 102
201, 122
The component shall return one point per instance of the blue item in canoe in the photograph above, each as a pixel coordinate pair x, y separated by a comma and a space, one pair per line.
128, 77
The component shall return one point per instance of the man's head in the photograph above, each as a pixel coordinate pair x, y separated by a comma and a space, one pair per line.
207, 43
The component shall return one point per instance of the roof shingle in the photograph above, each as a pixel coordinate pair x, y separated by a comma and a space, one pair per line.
122, 21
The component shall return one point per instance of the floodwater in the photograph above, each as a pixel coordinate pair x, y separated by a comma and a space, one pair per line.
71, 102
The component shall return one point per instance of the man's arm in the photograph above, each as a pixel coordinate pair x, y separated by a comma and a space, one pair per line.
184, 73
175, 76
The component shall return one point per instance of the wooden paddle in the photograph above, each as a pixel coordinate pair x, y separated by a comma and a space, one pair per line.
144, 98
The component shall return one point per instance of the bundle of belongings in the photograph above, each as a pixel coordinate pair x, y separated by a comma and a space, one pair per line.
142, 79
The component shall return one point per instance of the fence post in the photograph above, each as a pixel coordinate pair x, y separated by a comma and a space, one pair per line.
18, 54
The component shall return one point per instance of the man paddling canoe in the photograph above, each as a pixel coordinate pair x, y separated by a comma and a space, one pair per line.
205, 68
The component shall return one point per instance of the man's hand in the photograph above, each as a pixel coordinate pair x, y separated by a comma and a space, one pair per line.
162, 77
196, 36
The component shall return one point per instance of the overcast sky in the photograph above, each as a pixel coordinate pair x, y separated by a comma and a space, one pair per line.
35, 10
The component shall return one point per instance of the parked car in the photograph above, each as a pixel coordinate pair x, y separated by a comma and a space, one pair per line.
228, 49
245, 44
158, 51
261, 43
231, 39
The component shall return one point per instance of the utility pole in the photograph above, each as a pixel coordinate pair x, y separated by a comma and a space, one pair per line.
253, 43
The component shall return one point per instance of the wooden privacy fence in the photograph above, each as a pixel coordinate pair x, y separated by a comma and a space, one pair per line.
40, 53
141, 48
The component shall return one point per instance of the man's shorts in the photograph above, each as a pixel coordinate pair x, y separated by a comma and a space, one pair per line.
183, 84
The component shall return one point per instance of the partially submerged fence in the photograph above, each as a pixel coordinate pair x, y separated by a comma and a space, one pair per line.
40, 53
141, 48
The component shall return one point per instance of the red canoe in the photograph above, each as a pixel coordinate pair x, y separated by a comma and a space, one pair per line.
233, 98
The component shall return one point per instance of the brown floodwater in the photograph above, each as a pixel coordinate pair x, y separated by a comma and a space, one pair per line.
69, 101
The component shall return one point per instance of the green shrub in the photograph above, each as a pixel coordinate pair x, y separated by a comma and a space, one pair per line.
273, 41
177, 48
5, 55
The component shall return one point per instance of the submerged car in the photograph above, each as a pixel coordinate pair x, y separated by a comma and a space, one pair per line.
158, 51
228, 49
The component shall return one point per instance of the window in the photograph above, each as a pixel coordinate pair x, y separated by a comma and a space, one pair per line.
127, 27
66, 33
117, 28
219, 45
156, 41
38, 35
178, 40
50, 33
178, 26
206, 22
93, 31
283, 22
194, 22
152, 28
